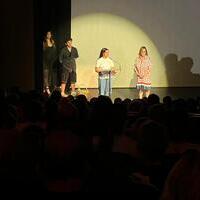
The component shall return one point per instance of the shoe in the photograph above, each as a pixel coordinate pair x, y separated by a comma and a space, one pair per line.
73, 94
63, 94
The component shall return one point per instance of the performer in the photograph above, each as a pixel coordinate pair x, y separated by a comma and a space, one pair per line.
67, 58
49, 56
143, 71
105, 69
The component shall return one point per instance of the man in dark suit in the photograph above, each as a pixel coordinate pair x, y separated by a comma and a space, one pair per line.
67, 58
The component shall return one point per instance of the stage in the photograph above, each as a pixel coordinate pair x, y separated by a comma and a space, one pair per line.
132, 93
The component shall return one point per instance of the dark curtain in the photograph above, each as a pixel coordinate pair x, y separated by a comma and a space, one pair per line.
55, 16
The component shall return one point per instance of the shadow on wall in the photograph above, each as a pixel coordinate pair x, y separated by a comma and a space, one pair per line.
179, 72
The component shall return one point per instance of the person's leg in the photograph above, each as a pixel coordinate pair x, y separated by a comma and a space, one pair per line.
68, 85
147, 93
73, 87
46, 81
50, 75
141, 92
102, 86
99, 85
63, 85
65, 76
108, 87
73, 83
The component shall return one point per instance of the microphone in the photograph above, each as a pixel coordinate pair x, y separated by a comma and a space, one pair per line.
118, 63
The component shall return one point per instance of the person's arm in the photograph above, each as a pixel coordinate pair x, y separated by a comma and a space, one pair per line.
149, 65
136, 67
75, 53
44, 47
98, 69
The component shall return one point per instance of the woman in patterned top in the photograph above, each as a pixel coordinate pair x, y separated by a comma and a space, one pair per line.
143, 72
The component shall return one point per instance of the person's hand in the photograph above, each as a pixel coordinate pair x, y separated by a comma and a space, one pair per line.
113, 71
99, 69
141, 75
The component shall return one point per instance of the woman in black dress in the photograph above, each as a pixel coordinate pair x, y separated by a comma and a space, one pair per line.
49, 56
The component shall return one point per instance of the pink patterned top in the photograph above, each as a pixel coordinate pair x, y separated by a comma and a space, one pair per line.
143, 70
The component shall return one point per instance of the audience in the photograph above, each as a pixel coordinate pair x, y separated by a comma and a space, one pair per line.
73, 144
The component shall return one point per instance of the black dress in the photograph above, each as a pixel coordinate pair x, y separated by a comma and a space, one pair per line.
49, 57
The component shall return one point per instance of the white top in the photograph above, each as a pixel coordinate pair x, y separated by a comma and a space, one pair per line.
70, 49
106, 64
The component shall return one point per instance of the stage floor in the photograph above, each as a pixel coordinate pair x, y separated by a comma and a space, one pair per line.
132, 93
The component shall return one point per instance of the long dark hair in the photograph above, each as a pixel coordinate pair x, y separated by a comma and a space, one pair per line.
103, 50
45, 39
